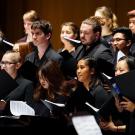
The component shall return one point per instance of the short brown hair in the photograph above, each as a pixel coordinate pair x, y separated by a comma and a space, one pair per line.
131, 13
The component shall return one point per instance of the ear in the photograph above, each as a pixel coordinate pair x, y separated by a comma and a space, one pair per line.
92, 71
97, 34
48, 36
129, 43
18, 65
75, 36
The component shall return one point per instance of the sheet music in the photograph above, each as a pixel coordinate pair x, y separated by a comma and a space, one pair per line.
86, 125
18, 108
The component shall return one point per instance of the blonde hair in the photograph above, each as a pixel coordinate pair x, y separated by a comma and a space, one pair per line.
16, 57
31, 16
73, 27
108, 14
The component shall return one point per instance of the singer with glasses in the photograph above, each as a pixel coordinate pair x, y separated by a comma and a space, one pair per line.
121, 42
6, 63
11, 62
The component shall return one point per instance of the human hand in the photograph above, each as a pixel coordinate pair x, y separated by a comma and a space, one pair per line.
127, 104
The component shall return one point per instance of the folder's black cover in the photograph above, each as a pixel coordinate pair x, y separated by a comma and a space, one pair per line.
7, 84
126, 84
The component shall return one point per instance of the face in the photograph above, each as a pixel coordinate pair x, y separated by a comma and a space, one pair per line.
132, 24
38, 37
27, 26
44, 83
83, 71
121, 67
119, 41
8, 65
68, 32
106, 21
103, 18
87, 36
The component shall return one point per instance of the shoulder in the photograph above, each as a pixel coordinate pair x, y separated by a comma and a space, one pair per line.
23, 39
53, 54
30, 56
22, 80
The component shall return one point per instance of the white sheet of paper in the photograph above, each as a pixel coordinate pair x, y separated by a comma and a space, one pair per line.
18, 108
86, 125
119, 55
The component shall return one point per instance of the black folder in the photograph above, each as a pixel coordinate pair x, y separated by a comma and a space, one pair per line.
7, 84
55, 108
126, 84
68, 65
104, 110
106, 67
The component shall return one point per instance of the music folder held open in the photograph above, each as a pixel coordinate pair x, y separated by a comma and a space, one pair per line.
7, 84
126, 84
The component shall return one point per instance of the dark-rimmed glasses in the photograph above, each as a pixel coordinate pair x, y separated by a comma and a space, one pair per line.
118, 39
6, 63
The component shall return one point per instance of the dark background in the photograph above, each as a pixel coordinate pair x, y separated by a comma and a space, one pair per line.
57, 12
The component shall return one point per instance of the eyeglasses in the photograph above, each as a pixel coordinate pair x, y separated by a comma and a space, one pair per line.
118, 39
6, 63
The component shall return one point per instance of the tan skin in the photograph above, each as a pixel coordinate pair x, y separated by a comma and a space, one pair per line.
120, 43
40, 40
84, 73
87, 35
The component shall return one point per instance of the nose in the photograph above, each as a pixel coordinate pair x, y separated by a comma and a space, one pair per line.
117, 73
81, 35
3, 66
78, 71
34, 36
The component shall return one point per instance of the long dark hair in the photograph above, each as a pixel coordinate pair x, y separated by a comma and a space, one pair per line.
52, 72
92, 64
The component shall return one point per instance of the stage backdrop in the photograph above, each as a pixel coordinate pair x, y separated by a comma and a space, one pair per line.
57, 12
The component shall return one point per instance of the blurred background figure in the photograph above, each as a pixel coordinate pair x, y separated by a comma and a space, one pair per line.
70, 30
28, 18
68, 51
25, 45
131, 16
109, 22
